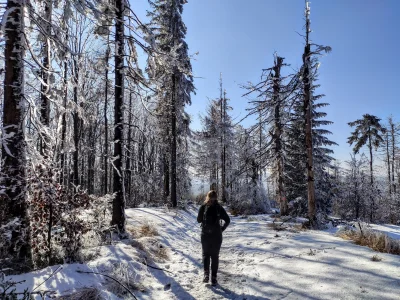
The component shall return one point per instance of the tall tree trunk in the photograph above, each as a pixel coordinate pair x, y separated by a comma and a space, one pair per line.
308, 124
392, 132
388, 162
45, 86
166, 174
76, 125
118, 215
372, 208
173, 143
13, 148
128, 150
278, 136
105, 182
64, 123
223, 143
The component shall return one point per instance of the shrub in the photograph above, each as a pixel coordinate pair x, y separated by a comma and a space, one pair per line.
363, 236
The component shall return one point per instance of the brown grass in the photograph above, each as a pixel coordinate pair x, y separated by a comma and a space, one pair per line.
147, 230
88, 293
152, 248
276, 226
144, 230
375, 240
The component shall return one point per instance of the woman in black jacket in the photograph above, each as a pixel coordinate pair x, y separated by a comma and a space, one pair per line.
210, 214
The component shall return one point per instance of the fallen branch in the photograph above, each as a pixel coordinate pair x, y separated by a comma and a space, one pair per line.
52, 274
291, 218
108, 276
145, 263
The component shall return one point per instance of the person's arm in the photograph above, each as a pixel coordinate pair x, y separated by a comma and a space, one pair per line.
225, 217
200, 215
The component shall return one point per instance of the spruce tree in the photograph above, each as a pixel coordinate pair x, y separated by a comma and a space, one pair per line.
172, 72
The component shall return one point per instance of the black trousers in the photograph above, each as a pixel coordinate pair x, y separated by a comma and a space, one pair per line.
211, 244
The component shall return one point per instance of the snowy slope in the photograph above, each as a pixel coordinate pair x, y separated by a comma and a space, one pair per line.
392, 231
256, 263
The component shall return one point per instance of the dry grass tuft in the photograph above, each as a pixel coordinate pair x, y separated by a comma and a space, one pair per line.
128, 278
376, 258
162, 252
148, 230
234, 212
145, 230
375, 240
152, 248
88, 293
276, 226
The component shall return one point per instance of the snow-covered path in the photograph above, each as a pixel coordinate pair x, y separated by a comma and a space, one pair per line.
257, 262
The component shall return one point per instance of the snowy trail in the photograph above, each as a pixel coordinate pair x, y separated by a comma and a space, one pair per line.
257, 262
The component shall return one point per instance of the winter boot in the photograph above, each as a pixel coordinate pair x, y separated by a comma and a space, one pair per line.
206, 277
214, 281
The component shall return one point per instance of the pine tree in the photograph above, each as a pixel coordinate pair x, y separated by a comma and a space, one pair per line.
368, 131
307, 77
273, 94
213, 151
172, 73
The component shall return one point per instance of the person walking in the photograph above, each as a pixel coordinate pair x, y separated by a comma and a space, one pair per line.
210, 214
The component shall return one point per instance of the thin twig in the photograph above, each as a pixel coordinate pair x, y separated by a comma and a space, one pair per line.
52, 274
145, 263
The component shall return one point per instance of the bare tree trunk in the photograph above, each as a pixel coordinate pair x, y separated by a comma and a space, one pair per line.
118, 215
372, 207
278, 136
13, 149
166, 174
388, 162
76, 125
392, 132
308, 124
128, 148
45, 86
64, 123
105, 182
173, 143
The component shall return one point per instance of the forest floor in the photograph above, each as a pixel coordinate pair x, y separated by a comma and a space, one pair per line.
256, 262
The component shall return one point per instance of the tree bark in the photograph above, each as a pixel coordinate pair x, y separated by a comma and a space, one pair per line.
13, 149
118, 215
308, 125
64, 123
105, 182
278, 136
392, 131
45, 86
372, 208
76, 126
388, 162
173, 143
128, 150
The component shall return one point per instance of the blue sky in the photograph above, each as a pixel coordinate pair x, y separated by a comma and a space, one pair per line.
239, 38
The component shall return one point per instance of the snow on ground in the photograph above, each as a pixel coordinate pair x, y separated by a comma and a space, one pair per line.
392, 231
256, 262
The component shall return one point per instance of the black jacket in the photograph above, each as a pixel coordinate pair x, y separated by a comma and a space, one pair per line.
212, 216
